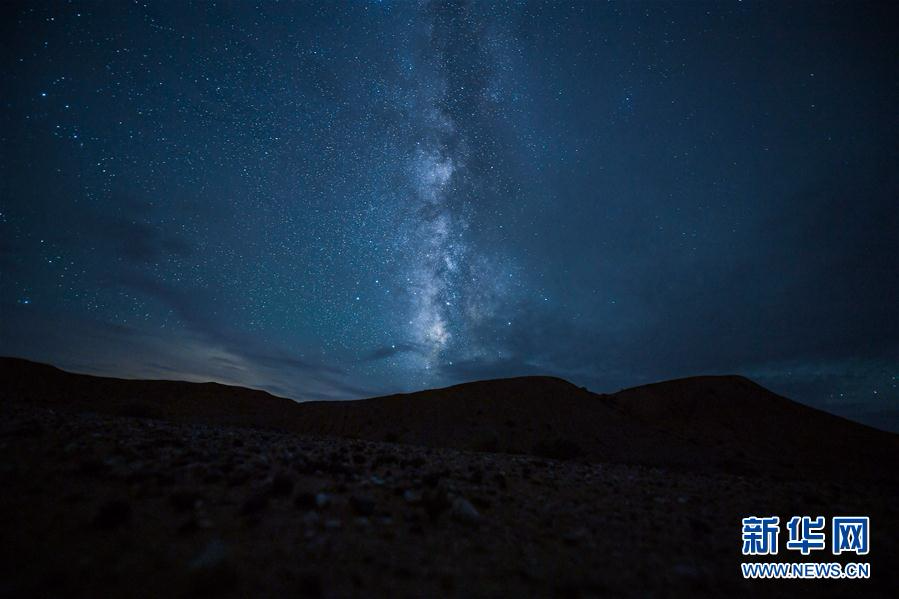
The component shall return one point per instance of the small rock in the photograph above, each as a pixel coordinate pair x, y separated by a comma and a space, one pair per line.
687, 571
412, 496
322, 500
213, 555
575, 536
463, 511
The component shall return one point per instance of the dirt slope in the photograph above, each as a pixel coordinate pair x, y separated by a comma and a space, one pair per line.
739, 418
726, 423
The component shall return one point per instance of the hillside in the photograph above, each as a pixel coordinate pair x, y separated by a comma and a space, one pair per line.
155, 488
725, 423
177, 401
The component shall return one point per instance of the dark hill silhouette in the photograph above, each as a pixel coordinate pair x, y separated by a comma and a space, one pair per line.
178, 401
713, 422
737, 417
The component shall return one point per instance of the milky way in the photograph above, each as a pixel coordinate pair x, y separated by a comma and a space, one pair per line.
338, 199
439, 269
454, 286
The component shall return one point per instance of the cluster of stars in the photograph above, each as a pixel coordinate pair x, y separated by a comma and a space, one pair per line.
351, 198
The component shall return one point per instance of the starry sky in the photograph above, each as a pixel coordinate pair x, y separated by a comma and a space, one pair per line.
343, 199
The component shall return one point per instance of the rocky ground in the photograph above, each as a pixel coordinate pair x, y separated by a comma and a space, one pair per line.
108, 506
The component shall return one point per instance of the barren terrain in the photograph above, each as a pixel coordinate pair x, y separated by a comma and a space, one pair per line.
98, 504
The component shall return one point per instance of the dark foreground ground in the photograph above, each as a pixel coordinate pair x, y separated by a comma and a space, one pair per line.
113, 506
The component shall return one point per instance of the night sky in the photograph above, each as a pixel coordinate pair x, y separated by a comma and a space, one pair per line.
347, 199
